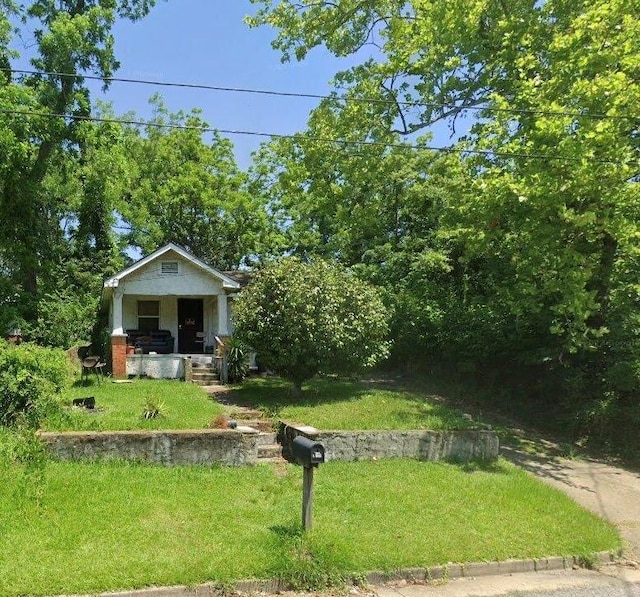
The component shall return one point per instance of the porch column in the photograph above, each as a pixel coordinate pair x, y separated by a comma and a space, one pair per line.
117, 313
119, 355
223, 329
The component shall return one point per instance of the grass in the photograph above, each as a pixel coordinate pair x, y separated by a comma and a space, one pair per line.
330, 403
121, 406
107, 526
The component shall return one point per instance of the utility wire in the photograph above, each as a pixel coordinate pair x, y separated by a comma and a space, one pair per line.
303, 137
364, 100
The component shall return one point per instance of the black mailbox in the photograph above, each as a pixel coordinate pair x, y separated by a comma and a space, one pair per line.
307, 452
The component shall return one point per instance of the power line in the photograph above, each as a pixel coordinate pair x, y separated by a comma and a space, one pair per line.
364, 100
344, 142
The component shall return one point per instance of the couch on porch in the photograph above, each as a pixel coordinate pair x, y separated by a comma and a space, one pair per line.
160, 341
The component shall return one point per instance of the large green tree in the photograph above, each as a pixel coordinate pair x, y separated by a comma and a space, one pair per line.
40, 125
542, 238
370, 205
190, 191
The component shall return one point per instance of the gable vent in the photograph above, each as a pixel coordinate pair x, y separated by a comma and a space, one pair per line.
169, 267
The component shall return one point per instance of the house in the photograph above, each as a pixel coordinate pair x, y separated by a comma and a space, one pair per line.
169, 306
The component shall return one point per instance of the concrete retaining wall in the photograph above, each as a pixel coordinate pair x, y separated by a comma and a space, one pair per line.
209, 446
463, 445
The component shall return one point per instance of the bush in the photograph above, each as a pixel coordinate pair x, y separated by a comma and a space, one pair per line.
31, 377
306, 318
237, 360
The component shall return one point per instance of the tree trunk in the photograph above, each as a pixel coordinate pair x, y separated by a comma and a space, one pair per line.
297, 389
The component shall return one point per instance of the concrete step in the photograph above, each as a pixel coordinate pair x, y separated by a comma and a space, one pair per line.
275, 460
204, 376
206, 382
273, 451
246, 414
259, 424
266, 439
202, 365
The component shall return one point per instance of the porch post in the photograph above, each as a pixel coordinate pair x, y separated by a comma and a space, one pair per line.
223, 329
119, 356
118, 339
117, 313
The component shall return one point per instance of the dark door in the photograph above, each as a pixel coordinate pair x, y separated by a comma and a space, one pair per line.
190, 326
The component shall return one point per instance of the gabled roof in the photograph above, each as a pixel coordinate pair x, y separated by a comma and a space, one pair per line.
227, 281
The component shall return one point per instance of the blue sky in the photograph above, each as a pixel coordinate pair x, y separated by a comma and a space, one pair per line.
206, 42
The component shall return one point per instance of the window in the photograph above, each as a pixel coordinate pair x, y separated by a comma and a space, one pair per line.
148, 316
169, 267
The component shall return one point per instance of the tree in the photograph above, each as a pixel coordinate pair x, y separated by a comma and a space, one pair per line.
192, 193
372, 207
304, 318
39, 127
543, 237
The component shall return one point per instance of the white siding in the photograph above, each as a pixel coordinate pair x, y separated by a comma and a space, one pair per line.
189, 281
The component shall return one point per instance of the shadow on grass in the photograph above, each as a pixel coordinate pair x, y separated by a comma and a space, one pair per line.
85, 383
495, 467
271, 394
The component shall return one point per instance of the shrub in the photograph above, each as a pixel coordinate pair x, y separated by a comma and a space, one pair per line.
304, 318
31, 377
237, 364
153, 408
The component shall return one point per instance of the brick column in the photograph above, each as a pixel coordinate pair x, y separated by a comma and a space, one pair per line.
119, 355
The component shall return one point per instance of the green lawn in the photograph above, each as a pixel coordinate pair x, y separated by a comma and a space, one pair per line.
119, 406
81, 528
330, 403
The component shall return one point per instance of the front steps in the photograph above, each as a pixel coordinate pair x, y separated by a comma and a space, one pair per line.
204, 374
269, 451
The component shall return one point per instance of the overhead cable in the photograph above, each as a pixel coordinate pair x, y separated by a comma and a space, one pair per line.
305, 137
364, 100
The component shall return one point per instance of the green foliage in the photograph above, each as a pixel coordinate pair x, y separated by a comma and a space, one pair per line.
191, 192
237, 360
538, 225
31, 379
303, 318
64, 321
24, 452
154, 408
39, 186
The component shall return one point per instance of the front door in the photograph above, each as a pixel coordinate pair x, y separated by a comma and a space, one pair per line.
190, 326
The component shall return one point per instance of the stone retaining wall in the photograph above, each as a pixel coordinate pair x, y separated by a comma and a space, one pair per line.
206, 446
463, 445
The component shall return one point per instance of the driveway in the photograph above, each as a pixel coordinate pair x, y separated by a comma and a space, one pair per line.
610, 491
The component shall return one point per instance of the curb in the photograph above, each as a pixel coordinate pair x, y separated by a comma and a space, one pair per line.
408, 575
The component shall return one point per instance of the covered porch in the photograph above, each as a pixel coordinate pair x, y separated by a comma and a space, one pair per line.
164, 308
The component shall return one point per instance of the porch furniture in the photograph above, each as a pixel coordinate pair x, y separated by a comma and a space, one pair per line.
93, 364
160, 341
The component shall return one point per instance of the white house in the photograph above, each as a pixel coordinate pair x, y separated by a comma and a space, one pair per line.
168, 304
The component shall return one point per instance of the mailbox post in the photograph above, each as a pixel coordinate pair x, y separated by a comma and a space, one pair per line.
309, 454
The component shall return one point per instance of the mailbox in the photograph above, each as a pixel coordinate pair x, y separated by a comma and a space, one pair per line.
307, 452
